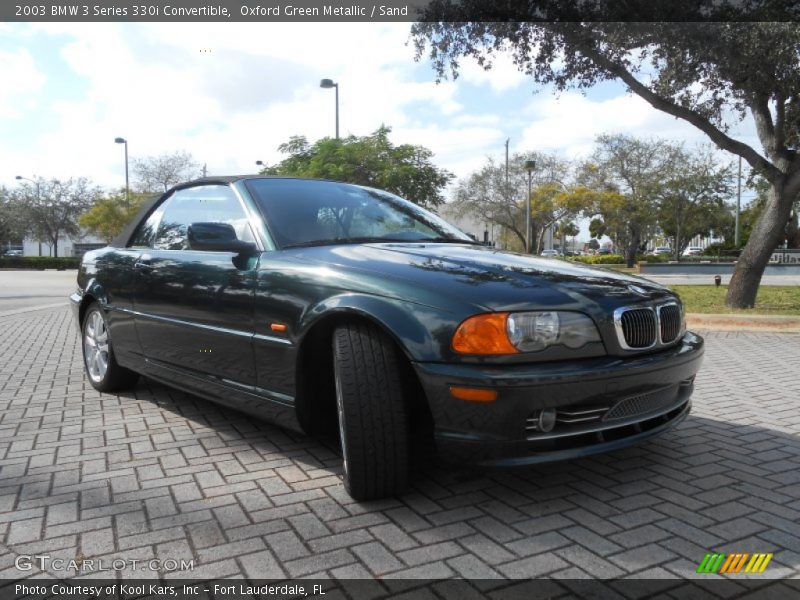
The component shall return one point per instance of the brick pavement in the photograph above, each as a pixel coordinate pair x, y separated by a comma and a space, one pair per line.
159, 473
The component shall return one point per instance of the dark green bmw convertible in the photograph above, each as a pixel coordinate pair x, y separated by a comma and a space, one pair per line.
333, 308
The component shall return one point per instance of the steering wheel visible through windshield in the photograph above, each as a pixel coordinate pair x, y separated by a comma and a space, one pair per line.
304, 212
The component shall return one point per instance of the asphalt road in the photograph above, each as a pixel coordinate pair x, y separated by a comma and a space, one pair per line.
706, 279
21, 291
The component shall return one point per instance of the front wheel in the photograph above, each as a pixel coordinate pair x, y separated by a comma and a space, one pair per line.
104, 373
373, 417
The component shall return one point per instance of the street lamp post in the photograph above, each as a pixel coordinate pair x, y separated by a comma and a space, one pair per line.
120, 140
38, 198
327, 84
530, 165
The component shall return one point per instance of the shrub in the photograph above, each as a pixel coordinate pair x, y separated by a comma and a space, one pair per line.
599, 259
39, 262
722, 249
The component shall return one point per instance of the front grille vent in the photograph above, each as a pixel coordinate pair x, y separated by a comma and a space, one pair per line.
642, 404
669, 317
639, 327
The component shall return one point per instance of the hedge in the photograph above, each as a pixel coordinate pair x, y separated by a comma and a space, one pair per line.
599, 259
39, 262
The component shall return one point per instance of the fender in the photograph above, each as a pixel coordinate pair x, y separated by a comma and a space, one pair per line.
421, 332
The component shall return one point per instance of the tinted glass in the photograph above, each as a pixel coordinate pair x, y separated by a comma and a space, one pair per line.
306, 212
145, 234
206, 204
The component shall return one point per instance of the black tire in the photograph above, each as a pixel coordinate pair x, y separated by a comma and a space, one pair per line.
373, 416
115, 377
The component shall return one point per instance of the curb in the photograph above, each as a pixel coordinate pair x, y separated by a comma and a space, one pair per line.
738, 322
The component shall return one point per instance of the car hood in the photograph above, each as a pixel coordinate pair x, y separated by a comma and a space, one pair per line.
489, 278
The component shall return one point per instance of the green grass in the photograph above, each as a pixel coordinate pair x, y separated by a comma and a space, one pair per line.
771, 299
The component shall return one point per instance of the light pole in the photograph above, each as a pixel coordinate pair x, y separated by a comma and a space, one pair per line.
38, 198
530, 165
120, 140
327, 84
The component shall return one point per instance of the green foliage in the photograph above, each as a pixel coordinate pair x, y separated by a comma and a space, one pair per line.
719, 249
372, 160
493, 196
693, 198
111, 214
599, 259
12, 221
51, 207
39, 262
631, 172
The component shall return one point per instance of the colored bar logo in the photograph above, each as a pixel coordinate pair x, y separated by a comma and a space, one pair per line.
734, 563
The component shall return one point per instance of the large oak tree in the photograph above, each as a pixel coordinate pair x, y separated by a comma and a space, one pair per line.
710, 74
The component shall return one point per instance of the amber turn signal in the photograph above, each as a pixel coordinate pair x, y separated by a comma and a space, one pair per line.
483, 334
279, 327
473, 394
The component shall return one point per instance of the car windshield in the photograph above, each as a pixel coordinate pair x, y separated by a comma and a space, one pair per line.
314, 213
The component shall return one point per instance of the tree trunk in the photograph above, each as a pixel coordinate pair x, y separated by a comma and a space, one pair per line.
55, 246
630, 250
765, 237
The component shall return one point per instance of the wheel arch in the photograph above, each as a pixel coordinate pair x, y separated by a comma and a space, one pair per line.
315, 400
94, 292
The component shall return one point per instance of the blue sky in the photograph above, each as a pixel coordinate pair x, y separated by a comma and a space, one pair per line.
231, 93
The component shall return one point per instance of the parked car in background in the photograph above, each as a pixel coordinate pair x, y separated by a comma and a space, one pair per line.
660, 251
604, 251
693, 251
347, 311
549, 253
13, 253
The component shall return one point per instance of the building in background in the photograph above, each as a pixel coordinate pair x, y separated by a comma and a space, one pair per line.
480, 229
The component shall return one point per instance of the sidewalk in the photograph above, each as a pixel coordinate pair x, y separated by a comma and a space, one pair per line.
740, 322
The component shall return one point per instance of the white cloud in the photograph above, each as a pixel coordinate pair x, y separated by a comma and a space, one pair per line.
21, 78
255, 85
568, 123
503, 75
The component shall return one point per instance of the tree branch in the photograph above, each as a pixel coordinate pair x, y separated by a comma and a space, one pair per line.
587, 46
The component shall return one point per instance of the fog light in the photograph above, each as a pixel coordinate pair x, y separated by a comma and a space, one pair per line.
546, 420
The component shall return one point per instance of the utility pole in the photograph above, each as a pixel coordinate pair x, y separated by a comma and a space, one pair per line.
507, 140
205, 170
738, 205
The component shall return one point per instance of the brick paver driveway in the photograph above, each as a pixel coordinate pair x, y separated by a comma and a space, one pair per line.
158, 473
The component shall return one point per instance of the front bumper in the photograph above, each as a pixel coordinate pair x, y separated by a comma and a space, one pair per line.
602, 404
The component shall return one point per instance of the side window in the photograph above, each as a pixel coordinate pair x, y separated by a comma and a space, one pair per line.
147, 231
204, 204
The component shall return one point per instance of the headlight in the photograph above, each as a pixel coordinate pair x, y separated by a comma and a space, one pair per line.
511, 333
534, 331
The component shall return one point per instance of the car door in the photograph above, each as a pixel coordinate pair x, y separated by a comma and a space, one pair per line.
194, 309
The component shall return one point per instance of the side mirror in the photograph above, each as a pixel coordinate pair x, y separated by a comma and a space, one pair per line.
217, 237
